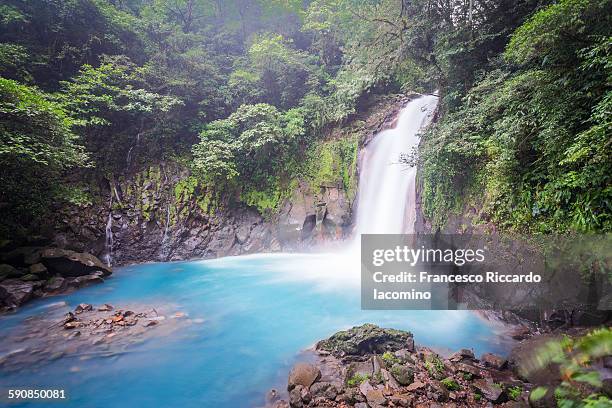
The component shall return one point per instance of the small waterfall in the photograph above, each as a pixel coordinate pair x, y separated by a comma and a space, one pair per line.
108, 257
108, 232
386, 203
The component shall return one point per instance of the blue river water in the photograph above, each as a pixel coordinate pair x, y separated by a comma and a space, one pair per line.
255, 314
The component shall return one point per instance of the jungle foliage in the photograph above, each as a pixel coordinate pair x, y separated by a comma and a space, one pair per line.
246, 89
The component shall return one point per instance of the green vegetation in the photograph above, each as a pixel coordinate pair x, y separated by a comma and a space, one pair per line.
530, 140
390, 359
581, 385
450, 384
357, 379
434, 365
248, 100
514, 393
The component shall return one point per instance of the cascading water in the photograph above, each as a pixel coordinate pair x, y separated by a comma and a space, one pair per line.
387, 193
108, 242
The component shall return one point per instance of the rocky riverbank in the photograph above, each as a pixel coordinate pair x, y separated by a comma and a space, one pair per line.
84, 332
34, 271
371, 367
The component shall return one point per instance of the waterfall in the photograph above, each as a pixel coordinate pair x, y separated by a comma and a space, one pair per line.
386, 202
108, 245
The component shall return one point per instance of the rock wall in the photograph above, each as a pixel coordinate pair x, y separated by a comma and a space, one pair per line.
162, 212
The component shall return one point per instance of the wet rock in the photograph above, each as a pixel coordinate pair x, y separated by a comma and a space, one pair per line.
71, 325
304, 374
272, 396
72, 264
491, 391
463, 354
55, 284
494, 361
83, 307
29, 277
403, 374
365, 339
85, 280
105, 308
15, 292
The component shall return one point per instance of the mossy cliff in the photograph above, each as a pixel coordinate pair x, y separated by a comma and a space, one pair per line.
164, 212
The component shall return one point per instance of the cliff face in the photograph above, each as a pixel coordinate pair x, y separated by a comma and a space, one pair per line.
162, 212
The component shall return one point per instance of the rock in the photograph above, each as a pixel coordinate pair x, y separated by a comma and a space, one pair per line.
489, 390
468, 368
55, 284
38, 269
29, 277
361, 405
71, 325
365, 387
150, 323
439, 391
295, 397
520, 332
417, 385
9, 271
463, 354
303, 374
272, 396
105, 308
14, 292
22, 256
83, 307
366, 339
85, 280
403, 374
72, 264
281, 404
375, 398
324, 389
493, 361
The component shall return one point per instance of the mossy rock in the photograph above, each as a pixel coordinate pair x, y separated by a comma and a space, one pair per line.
403, 374
366, 339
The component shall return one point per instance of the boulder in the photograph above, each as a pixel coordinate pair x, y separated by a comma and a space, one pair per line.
365, 339
72, 264
55, 284
324, 389
15, 292
489, 390
8, 271
463, 354
403, 374
375, 398
86, 280
493, 361
304, 374
38, 269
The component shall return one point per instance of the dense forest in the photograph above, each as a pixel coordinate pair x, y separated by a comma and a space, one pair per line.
242, 91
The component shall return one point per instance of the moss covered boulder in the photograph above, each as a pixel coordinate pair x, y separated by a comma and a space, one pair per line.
366, 339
